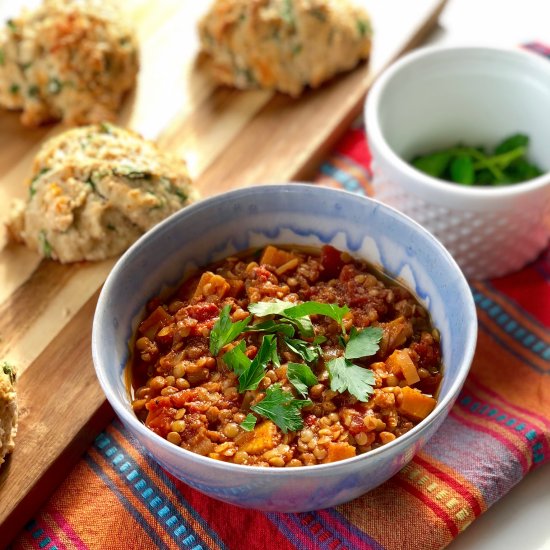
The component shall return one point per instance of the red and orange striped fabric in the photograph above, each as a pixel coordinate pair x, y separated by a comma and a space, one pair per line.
498, 431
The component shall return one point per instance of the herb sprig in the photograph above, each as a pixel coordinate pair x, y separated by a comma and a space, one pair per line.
507, 164
225, 331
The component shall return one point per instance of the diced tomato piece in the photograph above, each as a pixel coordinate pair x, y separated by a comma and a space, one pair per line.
160, 418
262, 274
331, 261
203, 311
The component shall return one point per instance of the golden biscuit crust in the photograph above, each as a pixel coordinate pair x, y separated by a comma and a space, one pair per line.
284, 45
67, 60
95, 190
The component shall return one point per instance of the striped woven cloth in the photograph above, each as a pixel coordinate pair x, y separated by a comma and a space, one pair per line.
498, 431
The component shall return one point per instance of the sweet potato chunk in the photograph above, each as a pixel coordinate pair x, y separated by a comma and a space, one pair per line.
211, 284
275, 256
416, 405
339, 451
264, 438
395, 334
400, 362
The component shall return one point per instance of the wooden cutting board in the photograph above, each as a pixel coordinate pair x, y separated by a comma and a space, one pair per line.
229, 139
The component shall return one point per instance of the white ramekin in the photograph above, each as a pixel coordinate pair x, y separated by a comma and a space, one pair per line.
438, 97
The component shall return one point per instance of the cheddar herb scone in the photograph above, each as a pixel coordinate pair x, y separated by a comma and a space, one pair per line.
283, 45
67, 60
95, 190
8, 409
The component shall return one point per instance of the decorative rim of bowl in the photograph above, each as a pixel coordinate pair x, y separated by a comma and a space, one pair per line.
421, 179
130, 418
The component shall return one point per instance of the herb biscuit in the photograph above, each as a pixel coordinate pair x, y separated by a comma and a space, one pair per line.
94, 190
283, 45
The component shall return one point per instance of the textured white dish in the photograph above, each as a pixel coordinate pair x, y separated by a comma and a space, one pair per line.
438, 97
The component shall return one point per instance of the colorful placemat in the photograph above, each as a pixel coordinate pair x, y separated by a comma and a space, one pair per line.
499, 430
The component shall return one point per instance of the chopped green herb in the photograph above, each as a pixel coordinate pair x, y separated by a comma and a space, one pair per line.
318, 13
111, 227
25, 66
344, 375
45, 244
363, 343
282, 408
363, 27
106, 128
33, 90
14, 89
317, 308
32, 188
224, 331
273, 327
249, 422
262, 309
308, 352
297, 49
11, 25
319, 339
9, 370
251, 377
54, 86
2, 57
288, 12
236, 359
301, 377
131, 172
474, 166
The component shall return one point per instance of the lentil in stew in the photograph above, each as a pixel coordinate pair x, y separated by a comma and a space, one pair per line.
285, 357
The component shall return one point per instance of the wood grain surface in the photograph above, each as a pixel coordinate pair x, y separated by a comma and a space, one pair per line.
229, 139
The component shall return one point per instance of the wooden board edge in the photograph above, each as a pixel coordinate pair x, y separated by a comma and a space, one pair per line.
43, 488
309, 168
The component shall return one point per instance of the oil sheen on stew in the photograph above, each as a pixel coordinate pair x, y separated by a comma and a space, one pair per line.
285, 357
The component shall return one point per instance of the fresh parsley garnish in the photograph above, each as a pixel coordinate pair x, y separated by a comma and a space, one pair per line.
466, 165
105, 128
308, 352
299, 314
236, 359
252, 376
282, 408
273, 327
224, 331
344, 375
54, 86
32, 188
249, 422
363, 343
301, 377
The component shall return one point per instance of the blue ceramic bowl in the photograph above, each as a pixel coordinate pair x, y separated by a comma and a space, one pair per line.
292, 214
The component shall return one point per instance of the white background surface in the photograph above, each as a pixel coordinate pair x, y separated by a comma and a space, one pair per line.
521, 520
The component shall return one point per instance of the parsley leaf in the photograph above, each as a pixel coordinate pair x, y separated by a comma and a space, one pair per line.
344, 375
249, 422
301, 377
363, 343
262, 309
236, 359
282, 408
273, 327
251, 377
308, 352
333, 311
224, 331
